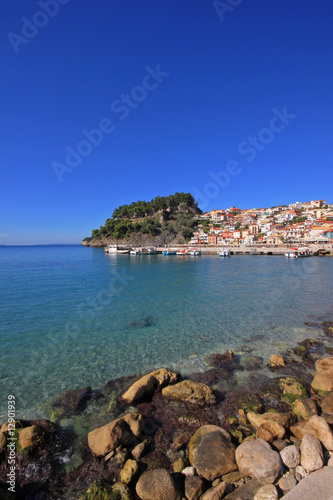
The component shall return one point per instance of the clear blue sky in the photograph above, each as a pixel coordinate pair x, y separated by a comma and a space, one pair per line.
221, 77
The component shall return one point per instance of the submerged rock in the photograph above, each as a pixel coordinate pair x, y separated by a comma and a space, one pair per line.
144, 388
276, 361
144, 322
71, 402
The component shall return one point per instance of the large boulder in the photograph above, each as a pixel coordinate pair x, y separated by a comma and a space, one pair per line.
211, 452
144, 388
157, 484
311, 453
257, 459
323, 379
187, 390
119, 432
317, 485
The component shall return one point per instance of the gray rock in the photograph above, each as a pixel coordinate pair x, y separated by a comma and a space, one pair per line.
287, 483
290, 456
245, 492
267, 492
257, 460
318, 486
300, 473
311, 453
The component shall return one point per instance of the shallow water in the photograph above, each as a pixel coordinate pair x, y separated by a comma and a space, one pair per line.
73, 316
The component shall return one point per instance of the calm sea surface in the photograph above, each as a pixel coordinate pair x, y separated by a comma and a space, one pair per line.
72, 316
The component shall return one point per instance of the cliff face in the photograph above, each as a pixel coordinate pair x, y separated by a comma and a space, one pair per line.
139, 240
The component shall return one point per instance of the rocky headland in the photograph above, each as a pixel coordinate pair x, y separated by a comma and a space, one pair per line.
160, 436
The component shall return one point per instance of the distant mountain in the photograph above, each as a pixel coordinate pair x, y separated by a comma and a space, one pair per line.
163, 220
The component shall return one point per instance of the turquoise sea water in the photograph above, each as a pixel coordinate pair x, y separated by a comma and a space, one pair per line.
72, 316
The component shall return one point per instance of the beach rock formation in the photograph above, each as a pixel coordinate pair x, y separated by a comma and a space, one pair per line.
187, 390
144, 388
123, 431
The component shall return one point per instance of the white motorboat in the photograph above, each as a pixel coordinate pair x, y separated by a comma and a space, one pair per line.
114, 249
195, 252
183, 251
224, 253
135, 251
299, 252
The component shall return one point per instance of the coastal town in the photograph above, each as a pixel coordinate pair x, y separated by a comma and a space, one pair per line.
296, 223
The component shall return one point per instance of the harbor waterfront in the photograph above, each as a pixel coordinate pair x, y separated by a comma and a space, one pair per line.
314, 249
74, 316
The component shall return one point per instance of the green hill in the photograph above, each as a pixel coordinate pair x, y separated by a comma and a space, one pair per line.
163, 220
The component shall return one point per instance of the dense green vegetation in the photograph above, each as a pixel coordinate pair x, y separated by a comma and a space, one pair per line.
144, 208
144, 217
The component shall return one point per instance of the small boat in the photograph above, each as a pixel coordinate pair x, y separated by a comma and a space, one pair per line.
183, 251
224, 253
299, 252
169, 252
135, 251
114, 249
195, 252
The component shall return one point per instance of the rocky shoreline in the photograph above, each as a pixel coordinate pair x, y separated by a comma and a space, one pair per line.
169, 437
